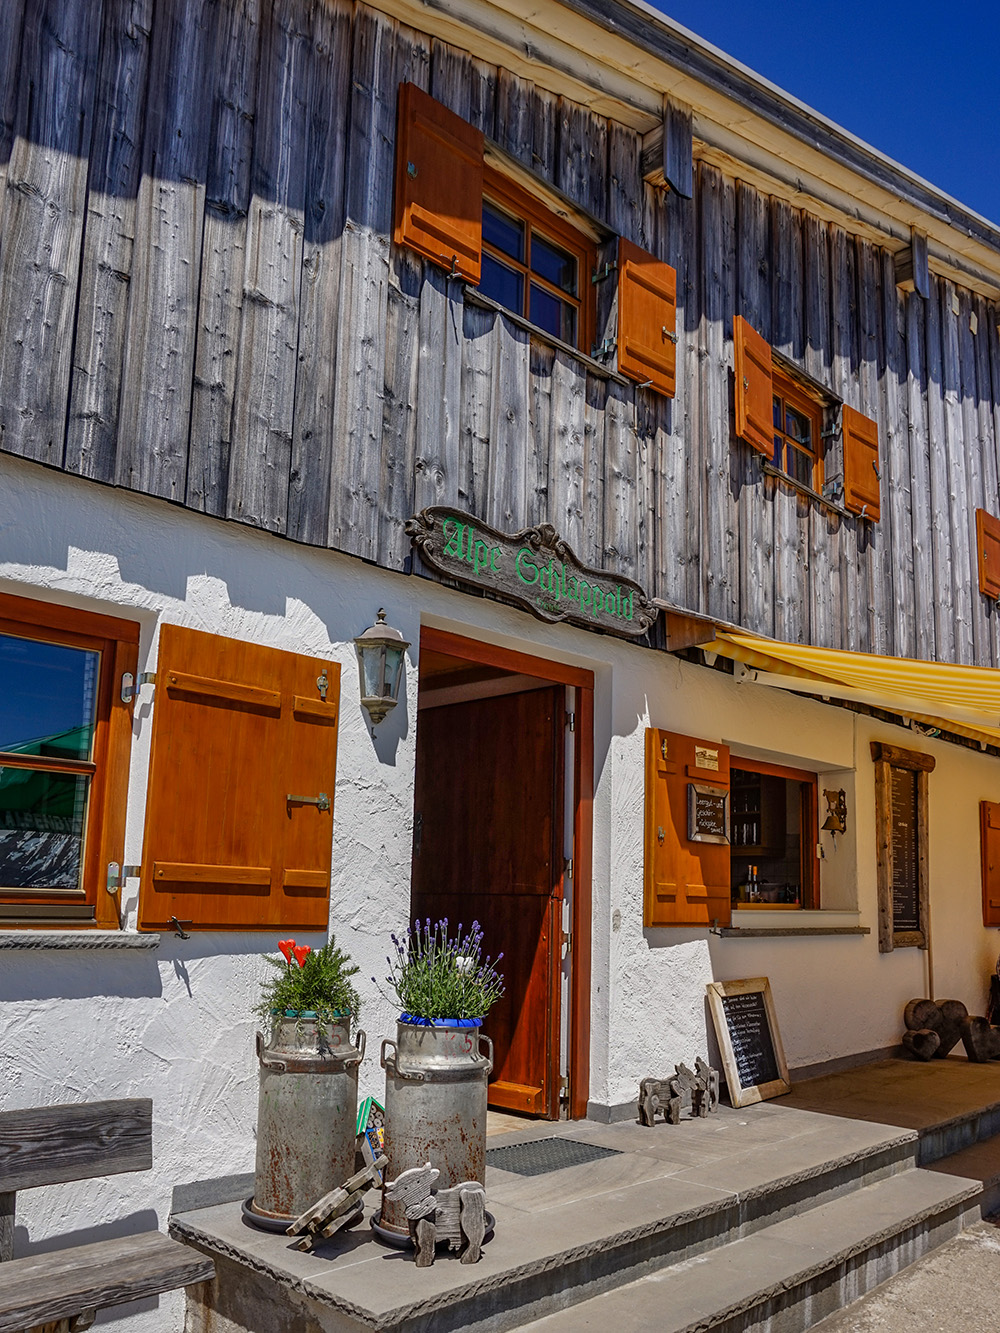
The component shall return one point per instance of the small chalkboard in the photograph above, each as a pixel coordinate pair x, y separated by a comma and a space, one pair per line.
752, 1055
708, 813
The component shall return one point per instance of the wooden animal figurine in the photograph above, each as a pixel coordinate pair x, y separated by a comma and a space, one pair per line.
708, 1087
695, 1091
457, 1214
337, 1208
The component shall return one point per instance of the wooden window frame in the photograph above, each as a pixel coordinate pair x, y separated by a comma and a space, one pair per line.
789, 391
117, 642
886, 757
809, 832
511, 198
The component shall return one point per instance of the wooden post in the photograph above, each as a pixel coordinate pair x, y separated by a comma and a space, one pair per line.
7, 1202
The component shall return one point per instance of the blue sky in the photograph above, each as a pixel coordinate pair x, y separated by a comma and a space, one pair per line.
920, 82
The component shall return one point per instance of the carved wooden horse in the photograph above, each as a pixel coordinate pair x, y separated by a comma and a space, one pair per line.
457, 1215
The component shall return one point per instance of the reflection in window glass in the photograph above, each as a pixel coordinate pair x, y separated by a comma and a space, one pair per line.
552, 315
553, 264
42, 818
503, 231
502, 284
48, 695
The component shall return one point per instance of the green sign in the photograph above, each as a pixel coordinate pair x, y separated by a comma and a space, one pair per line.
534, 568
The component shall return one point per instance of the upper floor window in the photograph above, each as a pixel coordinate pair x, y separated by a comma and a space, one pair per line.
798, 432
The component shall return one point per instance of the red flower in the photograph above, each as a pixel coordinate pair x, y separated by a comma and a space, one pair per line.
286, 947
301, 951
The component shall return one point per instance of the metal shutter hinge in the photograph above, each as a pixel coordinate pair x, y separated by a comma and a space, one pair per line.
599, 274
131, 687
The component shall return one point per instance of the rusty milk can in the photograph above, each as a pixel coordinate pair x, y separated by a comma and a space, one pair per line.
435, 1104
306, 1114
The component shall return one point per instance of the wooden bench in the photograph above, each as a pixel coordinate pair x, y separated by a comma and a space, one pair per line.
62, 1290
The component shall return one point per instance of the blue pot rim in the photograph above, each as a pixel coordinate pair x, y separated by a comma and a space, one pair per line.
418, 1022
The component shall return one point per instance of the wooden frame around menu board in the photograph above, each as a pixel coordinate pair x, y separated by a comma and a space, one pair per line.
747, 1028
903, 871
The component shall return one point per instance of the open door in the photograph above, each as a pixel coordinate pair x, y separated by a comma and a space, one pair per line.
488, 846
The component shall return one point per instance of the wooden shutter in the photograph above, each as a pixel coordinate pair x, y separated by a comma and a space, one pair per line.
647, 319
439, 184
237, 729
861, 470
754, 388
687, 883
989, 842
988, 547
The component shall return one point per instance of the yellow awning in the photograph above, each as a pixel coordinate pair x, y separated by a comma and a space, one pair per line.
962, 699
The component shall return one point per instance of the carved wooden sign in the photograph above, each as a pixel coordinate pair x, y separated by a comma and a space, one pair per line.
534, 568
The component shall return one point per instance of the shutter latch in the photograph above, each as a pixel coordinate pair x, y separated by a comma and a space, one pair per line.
607, 348
878, 475
668, 334
599, 274
322, 801
131, 687
323, 684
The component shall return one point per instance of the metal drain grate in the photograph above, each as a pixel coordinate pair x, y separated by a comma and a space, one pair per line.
544, 1155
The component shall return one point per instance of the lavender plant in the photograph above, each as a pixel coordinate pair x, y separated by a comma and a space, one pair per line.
433, 974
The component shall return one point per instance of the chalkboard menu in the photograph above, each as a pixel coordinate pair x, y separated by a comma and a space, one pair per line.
905, 874
708, 813
753, 1049
749, 1042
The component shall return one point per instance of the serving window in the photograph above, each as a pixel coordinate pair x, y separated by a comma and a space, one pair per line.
773, 836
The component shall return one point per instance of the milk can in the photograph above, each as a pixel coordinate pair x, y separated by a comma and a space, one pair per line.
306, 1114
435, 1104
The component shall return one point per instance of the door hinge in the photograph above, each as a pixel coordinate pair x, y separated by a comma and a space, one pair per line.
567, 940
563, 1088
568, 867
571, 721
131, 687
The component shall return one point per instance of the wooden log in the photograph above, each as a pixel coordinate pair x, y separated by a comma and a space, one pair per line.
58, 1285
43, 221
108, 240
161, 331
313, 444
53, 1145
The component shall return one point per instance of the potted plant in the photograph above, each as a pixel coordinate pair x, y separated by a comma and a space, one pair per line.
436, 1069
308, 1097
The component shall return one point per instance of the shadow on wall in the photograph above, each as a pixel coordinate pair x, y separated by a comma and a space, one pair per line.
83, 975
132, 1225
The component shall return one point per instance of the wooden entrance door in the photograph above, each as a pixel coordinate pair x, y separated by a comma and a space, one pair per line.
487, 846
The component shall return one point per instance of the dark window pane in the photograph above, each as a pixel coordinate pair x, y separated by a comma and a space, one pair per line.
41, 828
799, 465
554, 316
776, 413
503, 232
777, 451
798, 426
502, 284
553, 264
48, 695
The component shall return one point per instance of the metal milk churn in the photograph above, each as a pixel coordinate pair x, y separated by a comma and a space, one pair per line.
435, 1105
306, 1114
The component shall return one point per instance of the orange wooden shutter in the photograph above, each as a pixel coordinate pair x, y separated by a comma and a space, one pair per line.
439, 183
861, 471
647, 319
237, 730
988, 546
989, 842
687, 883
754, 389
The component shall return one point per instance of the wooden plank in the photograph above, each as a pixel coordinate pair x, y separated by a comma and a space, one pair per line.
842, 313
593, 473
910, 269
824, 537
12, 16
677, 149
161, 330
987, 445
46, 1287
923, 609
874, 539
894, 451
964, 583
624, 207
582, 157
466, 85
506, 498
261, 447
620, 493
753, 269
109, 237
313, 444
539, 438
8, 1204
476, 397
975, 496
399, 426
567, 455
439, 391
223, 259
53, 1145
43, 220
939, 530
513, 127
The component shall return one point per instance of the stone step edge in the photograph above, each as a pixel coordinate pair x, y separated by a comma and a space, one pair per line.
947, 1137
790, 1287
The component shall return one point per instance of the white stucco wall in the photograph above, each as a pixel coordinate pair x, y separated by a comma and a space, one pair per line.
175, 1024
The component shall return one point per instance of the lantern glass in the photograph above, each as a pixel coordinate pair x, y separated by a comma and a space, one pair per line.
380, 652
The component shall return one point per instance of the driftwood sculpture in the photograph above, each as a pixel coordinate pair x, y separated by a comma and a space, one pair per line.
336, 1209
694, 1091
933, 1027
456, 1215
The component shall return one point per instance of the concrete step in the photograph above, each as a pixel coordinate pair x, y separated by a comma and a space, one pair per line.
785, 1277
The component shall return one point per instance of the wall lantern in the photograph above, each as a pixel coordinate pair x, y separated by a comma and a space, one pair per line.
836, 804
380, 664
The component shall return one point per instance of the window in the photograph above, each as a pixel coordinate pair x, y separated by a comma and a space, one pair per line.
533, 263
65, 738
798, 432
773, 836
988, 551
901, 785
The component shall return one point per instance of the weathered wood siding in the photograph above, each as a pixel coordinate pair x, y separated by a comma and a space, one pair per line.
199, 300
